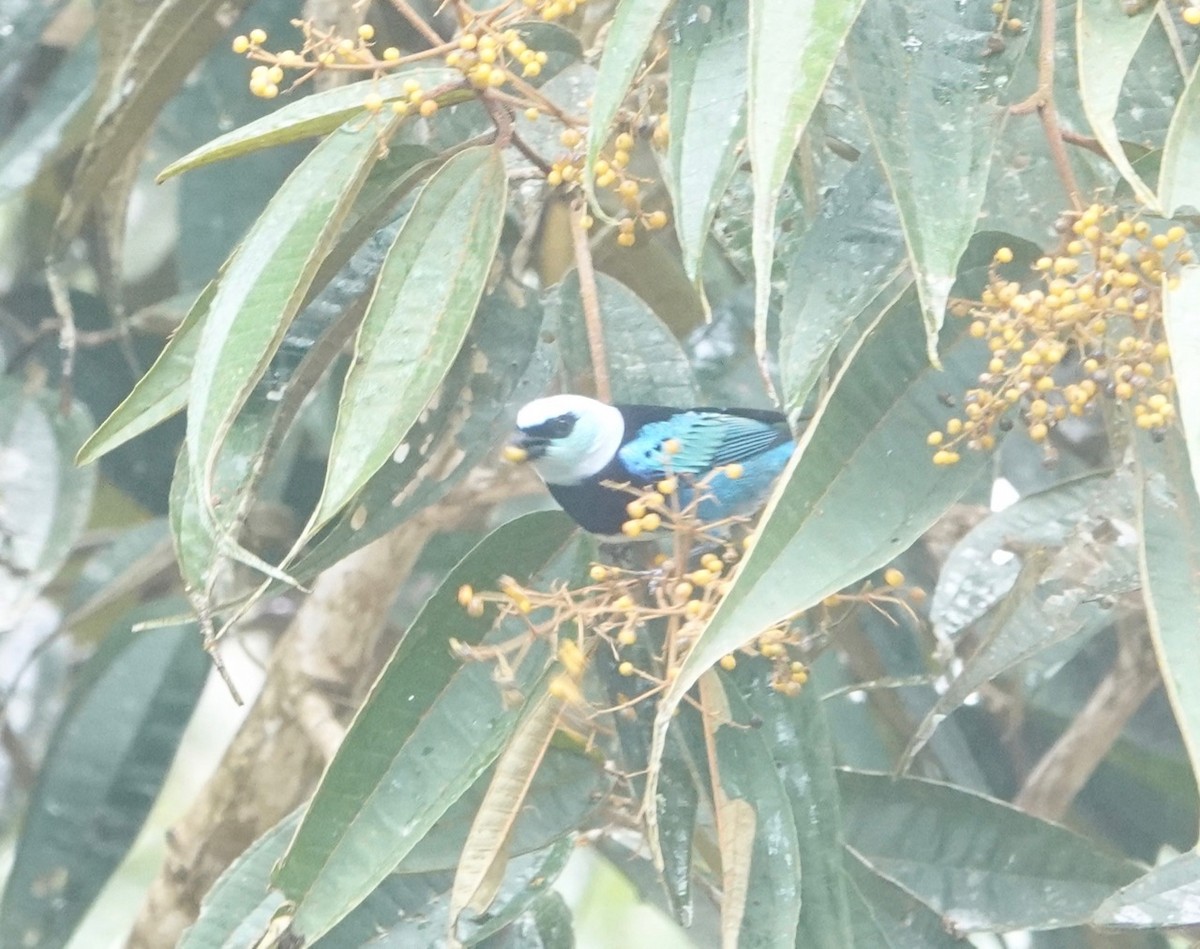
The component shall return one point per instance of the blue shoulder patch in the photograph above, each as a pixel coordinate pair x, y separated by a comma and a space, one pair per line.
705, 440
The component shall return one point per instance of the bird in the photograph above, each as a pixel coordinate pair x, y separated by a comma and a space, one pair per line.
587, 451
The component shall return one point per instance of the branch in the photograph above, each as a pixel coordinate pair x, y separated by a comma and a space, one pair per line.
1065, 768
590, 299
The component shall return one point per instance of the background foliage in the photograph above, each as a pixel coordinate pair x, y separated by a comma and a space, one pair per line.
281, 313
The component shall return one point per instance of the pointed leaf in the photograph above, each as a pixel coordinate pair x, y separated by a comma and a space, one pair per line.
316, 114
645, 361
263, 286
793, 47
1169, 895
760, 856
632, 27
850, 265
813, 539
797, 737
160, 393
982, 864
46, 499
929, 90
1169, 551
106, 763
1107, 38
1179, 172
887, 917
424, 303
1180, 306
707, 114
428, 729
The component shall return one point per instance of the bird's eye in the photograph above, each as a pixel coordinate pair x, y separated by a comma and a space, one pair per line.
560, 427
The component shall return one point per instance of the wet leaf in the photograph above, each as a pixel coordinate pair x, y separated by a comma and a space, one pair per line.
1168, 513
982, 864
1179, 173
46, 499
934, 122
707, 114
851, 264
887, 917
1169, 895
645, 361
428, 729
793, 47
106, 764
1107, 38
316, 114
424, 302
633, 25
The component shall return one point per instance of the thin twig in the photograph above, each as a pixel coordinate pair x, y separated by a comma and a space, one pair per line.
418, 22
1043, 101
590, 300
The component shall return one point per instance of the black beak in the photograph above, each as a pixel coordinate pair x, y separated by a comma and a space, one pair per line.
525, 447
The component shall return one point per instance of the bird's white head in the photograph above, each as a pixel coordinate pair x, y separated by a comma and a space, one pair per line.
568, 438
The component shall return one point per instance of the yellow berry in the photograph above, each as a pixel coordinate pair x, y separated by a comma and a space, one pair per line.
391, 54
893, 577
401, 108
241, 44
428, 108
570, 137
468, 41
626, 239
728, 663
631, 528
623, 603
627, 637
636, 508
598, 573
366, 32
651, 522
667, 486
683, 589
1004, 255
532, 114
944, 457
625, 668
656, 220
734, 471
373, 102
671, 446
624, 141
465, 594
258, 37
1039, 431
531, 69
934, 439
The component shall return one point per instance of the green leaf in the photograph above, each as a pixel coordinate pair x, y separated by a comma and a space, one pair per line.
106, 763
316, 114
629, 34
160, 393
46, 499
797, 738
851, 264
982, 864
1107, 38
472, 413
428, 729
813, 539
929, 92
262, 289
155, 58
1169, 895
56, 119
762, 874
1180, 306
1061, 588
236, 909
645, 361
707, 114
1169, 552
1179, 172
424, 303
793, 47
887, 917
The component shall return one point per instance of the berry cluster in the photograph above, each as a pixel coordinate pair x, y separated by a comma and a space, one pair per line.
610, 172
487, 56
322, 49
550, 10
1092, 330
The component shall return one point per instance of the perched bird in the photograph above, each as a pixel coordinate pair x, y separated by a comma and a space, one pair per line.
578, 444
